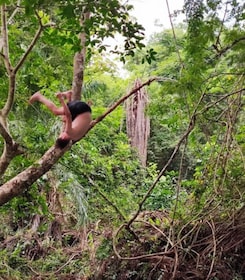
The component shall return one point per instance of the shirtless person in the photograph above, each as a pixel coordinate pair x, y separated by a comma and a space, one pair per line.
76, 116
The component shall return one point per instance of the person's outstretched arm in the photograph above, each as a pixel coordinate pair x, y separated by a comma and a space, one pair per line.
67, 114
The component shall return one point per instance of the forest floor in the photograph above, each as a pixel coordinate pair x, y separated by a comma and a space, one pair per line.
202, 250
150, 250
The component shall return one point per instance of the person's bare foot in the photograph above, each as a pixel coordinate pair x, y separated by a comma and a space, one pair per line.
35, 97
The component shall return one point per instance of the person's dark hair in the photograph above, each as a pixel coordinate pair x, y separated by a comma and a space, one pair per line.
61, 143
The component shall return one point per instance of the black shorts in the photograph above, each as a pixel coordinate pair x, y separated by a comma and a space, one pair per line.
78, 107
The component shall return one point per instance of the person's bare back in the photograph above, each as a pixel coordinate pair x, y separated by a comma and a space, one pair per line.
75, 129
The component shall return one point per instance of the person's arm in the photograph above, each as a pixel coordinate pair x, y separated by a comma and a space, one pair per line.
67, 113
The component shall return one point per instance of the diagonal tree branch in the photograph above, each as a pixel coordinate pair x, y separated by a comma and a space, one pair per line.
26, 178
14, 12
7, 137
227, 48
33, 42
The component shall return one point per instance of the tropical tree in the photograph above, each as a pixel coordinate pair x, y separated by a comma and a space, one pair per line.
80, 25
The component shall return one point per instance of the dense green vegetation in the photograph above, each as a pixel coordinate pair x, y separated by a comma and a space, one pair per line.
97, 213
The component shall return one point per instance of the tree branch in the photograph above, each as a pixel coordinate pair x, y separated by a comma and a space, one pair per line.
174, 35
79, 63
3, 131
32, 44
224, 50
14, 12
26, 178
5, 44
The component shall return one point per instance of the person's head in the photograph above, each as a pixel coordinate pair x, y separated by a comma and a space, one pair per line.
61, 143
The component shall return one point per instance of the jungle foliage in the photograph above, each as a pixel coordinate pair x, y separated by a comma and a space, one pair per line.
98, 213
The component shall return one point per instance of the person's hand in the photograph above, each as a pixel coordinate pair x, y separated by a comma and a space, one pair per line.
68, 95
60, 95
64, 136
64, 95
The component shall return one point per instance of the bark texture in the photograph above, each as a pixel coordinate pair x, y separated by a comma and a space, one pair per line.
138, 123
79, 64
26, 178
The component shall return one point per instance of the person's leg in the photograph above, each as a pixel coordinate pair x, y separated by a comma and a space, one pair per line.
48, 103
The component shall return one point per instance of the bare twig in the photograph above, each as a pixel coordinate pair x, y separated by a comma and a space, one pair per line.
14, 12
211, 104
174, 35
220, 31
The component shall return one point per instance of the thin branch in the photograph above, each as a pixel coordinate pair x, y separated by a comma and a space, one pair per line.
12, 72
32, 44
5, 44
221, 29
14, 12
22, 60
224, 50
140, 257
179, 179
219, 100
175, 38
11, 91
212, 226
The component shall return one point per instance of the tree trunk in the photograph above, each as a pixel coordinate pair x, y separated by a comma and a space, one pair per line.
138, 124
26, 178
79, 64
